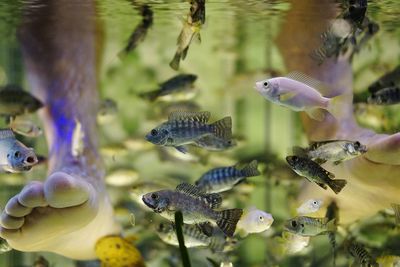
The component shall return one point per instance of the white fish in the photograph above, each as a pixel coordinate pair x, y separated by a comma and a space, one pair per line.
310, 206
299, 93
77, 140
294, 243
26, 128
254, 221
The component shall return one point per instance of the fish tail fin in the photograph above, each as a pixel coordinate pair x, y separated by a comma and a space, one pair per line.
152, 95
396, 208
299, 151
174, 64
337, 185
331, 225
228, 220
223, 128
250, 169
316, 113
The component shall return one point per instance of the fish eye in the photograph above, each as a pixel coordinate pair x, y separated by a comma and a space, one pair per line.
294, 223
357, 144
315, 202
266, 84
261, 218
154, 132
17, 154
154, 196
302, 225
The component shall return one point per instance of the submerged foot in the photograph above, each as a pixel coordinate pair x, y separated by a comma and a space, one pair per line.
65, 214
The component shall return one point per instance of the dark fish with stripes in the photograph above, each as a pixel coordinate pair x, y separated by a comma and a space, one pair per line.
225, 178
14, 101
389, 79
183, 128
314, 173
196, 205
360, 254
386, 96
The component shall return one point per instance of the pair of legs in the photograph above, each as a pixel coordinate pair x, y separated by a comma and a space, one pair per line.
70, 210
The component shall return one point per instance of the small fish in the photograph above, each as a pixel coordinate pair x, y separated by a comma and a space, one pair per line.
115, 251
107, 111
336, 151
299, 93
121, 177
77, 145
184, 128
177, 84
396, 209
196, 206
254, 221
360, 254
41, 262
315, 173
139, 34
213, 143
385, 96
309, 226
225, 178
291, 243
310, 206
14, 155
26, 128
194, 237
14, 101
190, 31
390, 79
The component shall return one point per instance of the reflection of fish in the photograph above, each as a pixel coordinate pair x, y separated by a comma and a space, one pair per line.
390, 79
14, 155
196, 206
332, 150
310, 206
191, 30
25, 128
14, 101
309, 226
185, 127
140, 31
225, 178
360, 254
386, 96
299, 93
254, 221
315, 173
115, 251
176, 84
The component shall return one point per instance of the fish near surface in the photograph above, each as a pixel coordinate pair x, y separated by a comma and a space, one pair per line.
225, 178
14, 101
309, 226
14, 155
336, 151
184, 128
315, 173
298, 92
196, 206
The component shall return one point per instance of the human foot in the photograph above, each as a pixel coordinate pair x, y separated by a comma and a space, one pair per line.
65, 215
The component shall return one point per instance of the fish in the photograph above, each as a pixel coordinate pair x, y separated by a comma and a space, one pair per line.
41, 262
213, 143
194, 237
385, 96
184, 128
310, 206
107, 111
298, 92
225, 178
290, 243
15, 156
177, 84
360, 254
309, 226
122, 177
335, 151
396, 209
196, 206
332, 212
190, 31
26, 128
14, 101
140, 32
77, 145
315, 173
116, 251
254, 221
389, 79
140, 188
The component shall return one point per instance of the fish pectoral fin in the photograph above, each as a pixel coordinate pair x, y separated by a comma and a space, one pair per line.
182, 149
206, 228
324, 186
286, 96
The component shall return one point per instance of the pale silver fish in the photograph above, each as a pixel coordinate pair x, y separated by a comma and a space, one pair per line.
196, 206
309, 226
26, 128
299, 93
14, 155
254, 221
310, 206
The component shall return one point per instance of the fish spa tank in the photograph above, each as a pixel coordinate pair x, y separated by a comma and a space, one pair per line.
199, 133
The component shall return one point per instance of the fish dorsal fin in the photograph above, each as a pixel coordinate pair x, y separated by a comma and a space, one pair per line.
203, 116
6, 133
213, 200
321, 87
317, 144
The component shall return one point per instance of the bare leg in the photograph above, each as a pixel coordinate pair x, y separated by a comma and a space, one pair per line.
373, 178
70, 210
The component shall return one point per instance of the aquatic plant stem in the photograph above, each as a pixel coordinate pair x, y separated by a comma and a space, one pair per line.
179, 235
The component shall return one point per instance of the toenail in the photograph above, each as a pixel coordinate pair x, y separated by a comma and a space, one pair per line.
16, 209
10, 222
